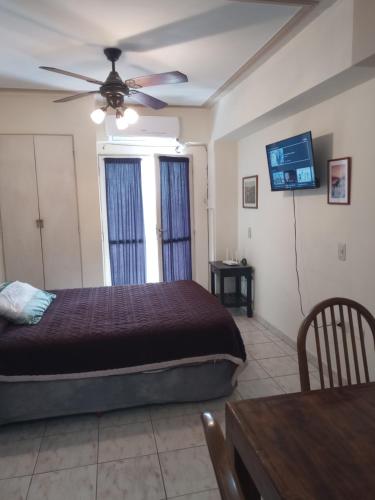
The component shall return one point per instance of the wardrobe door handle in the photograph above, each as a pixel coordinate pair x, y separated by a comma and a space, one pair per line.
39, 223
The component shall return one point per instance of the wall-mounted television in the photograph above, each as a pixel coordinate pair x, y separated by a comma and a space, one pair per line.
291, 163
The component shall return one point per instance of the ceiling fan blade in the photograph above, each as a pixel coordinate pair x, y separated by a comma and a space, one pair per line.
76, 96
148, 100
158, 79
74, 75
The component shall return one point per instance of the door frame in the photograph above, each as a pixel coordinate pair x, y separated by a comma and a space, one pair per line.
191, 200
103, 208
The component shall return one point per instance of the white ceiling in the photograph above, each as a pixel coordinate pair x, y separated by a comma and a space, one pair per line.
209, 40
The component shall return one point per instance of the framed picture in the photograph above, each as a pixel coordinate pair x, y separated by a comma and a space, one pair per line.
339, 178
250, 192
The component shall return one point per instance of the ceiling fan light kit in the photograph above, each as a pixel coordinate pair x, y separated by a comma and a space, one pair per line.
98, 115
115, 91
121, 121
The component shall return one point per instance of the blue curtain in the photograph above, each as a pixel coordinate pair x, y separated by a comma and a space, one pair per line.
126, 236
175, 218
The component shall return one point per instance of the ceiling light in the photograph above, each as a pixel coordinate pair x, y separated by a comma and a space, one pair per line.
131, 115
98, 115
121, 121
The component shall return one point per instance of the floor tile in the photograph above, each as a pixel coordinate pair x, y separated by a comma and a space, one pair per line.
253, 371
76, 423
14, 489
259, 388
291, 383
218, 404
255, 337
187, 471
312, 367
178, 432
126, 441
241, 320
23, 430
277, 367
247, 324
259, 325
315, 381
237, 311
126, 416
132, 479
264, 350
204, 495
72, 484
291, 351
63, 451
18, 458
173, 410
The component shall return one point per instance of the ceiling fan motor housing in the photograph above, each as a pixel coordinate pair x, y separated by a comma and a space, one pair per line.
114, 90
112, 53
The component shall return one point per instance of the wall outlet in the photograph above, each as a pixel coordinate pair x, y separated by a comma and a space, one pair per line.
341, 251
249, 233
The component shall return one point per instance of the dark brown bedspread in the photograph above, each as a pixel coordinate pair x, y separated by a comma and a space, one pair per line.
92, 329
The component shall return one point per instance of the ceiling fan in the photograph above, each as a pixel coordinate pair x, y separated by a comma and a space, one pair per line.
115, 90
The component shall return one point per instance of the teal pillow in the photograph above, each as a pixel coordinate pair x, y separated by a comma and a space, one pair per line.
21, 303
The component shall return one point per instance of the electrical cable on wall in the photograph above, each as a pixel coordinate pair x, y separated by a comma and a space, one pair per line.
296, 255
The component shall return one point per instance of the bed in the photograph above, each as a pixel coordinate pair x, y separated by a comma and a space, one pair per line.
98, 349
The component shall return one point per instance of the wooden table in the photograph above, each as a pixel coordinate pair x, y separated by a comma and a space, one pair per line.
238, 271
316, 445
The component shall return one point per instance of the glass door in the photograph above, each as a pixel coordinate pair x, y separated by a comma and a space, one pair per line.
175, 235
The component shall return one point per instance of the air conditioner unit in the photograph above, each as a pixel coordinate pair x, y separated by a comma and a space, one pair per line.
167, 127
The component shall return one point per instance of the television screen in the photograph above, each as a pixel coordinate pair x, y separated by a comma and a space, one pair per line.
291, 163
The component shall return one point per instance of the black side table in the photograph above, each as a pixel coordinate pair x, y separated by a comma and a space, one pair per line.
238, 271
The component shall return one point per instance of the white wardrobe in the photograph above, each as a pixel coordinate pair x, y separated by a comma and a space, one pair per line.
39, 211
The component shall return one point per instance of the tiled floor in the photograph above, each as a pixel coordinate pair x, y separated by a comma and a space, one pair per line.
150, 453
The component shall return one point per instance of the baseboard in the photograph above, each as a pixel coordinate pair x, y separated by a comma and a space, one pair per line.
285, 338
311, 358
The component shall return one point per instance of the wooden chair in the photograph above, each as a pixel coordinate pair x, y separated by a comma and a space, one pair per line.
340, 327
221, 460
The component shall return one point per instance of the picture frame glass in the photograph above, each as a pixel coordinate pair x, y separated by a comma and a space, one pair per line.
250, 192
339, 181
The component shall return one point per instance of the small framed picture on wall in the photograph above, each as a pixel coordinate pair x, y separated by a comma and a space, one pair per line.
250, 192
339, 179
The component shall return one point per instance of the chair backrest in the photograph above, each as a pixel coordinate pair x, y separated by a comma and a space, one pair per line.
340, 327
225, 475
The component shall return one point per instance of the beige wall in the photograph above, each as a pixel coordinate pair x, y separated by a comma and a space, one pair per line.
226, 196
342, 126
319, 52
312, 82
302, 72
25, 112
35, 113
363, 30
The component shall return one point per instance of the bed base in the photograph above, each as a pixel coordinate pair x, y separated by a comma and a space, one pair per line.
22, 401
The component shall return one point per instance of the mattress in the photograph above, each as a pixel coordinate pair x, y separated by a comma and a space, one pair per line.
118, 330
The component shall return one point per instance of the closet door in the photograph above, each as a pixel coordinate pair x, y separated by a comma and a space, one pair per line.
19, 210
59, 211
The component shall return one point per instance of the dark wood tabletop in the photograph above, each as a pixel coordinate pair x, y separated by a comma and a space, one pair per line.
315, 445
